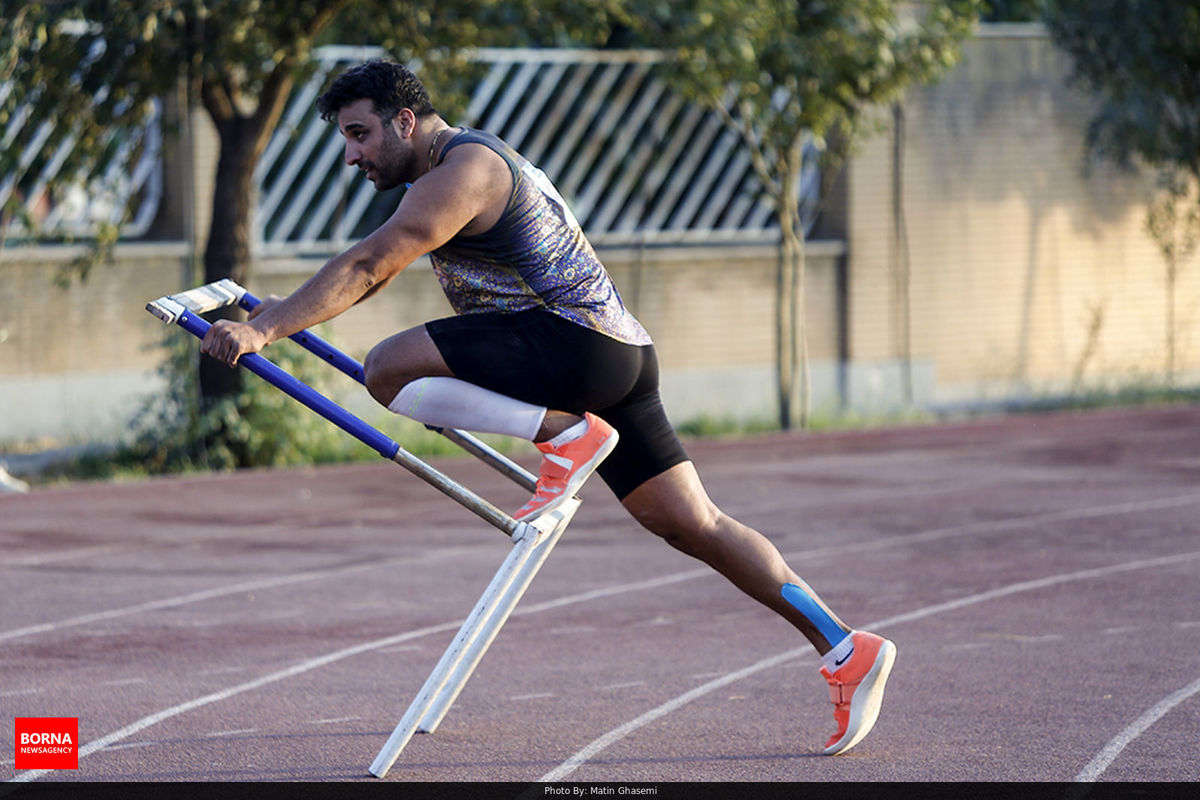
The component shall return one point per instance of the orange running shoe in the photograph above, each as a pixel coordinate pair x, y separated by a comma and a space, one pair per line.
857, 690
565, 468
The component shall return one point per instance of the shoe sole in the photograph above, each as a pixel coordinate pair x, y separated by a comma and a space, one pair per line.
864, 714
576, 483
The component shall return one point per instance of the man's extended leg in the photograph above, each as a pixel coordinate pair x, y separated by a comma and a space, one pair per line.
675, 506
856, 664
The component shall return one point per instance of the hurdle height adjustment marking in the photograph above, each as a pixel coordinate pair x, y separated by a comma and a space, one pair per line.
532, 541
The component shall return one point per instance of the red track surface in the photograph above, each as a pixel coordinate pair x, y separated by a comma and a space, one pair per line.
1040, 576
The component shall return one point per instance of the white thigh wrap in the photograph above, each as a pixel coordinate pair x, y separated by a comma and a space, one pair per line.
451, 403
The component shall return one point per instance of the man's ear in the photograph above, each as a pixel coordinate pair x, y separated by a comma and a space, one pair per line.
405, 123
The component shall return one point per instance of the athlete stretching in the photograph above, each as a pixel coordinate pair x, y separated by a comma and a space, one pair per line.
541, 347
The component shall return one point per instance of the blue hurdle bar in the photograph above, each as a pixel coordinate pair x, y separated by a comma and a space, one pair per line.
170, 310
324, 350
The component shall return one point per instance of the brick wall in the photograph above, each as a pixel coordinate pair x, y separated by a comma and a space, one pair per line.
1026, 273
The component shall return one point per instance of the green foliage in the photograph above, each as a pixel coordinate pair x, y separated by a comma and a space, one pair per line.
1013, 10
92, 67
176, 432
1174, 218
85, 74
81, 73
790, 68
780, 73
1142, 59
260, 427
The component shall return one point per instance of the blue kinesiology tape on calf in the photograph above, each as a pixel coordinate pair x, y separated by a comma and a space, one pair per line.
803, 602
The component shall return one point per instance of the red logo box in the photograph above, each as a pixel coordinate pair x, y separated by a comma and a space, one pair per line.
47, 743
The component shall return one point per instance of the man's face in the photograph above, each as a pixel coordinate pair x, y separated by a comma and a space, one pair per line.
377, 147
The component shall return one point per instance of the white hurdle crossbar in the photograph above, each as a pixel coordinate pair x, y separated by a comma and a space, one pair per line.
532, 541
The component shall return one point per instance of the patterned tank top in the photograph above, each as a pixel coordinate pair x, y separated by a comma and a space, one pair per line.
535, 256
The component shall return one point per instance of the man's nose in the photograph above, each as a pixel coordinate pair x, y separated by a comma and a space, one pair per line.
352, 155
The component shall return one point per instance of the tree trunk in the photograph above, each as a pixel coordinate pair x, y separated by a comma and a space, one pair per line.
784, 333
227, 254
901, 262
1172, 283
243, 139
791, 329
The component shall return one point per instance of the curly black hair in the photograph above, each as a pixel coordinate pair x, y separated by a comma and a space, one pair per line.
389, 85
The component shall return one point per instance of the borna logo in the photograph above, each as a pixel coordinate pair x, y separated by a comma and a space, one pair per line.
46, 743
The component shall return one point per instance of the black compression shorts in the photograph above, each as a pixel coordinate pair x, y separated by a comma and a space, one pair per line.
543, 359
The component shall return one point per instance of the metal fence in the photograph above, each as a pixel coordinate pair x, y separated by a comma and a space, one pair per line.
75, 205
637, 164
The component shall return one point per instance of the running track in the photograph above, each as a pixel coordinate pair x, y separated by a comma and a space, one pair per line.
1039, 574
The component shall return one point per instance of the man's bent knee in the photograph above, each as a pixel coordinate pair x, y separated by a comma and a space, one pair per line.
382, 383
398, 360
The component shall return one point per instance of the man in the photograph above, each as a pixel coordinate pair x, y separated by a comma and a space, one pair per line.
541, 347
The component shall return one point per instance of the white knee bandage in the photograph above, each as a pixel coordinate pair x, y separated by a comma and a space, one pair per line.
452, 403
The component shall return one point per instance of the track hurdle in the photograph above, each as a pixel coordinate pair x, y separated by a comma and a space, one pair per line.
532, 541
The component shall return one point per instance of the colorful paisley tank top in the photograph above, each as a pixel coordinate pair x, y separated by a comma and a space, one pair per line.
535, 256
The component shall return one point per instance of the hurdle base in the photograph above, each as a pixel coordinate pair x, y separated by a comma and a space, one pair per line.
457, 664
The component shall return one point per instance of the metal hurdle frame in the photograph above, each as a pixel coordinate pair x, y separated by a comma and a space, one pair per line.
532, 541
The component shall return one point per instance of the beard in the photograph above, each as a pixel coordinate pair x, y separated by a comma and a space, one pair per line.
397, 163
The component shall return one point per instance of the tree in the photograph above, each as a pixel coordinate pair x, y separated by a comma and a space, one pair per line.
1173, 222
1142, 60
86, 71
1012, 10
784, 73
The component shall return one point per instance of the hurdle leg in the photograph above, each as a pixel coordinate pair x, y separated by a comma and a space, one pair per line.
470, 629
506, 603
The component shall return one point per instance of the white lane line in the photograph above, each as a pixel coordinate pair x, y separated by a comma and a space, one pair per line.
132, 745
220, 671
61, 555
998, 525
538, 696
612, 687
599, 745
900, 540
194, 597
1108, 754
891, 541
603, 742
1025, 638
126, 682
365, 647
239, 732
335, 721
215, 697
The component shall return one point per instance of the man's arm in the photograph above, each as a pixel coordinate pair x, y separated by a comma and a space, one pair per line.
472, 184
